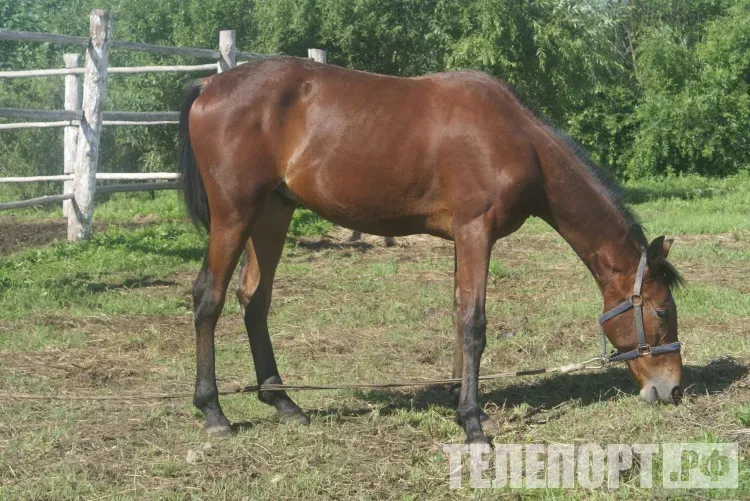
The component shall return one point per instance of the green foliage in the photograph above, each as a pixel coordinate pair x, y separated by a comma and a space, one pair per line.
307, 224
696, 98
653, 88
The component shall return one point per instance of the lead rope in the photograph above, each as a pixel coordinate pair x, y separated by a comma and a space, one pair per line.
590, 364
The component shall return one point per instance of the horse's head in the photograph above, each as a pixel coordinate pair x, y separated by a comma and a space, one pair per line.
649, 344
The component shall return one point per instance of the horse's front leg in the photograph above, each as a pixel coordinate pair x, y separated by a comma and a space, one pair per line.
473, 246
458, 354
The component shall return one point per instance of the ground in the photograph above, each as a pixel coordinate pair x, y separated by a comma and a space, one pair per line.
113, 316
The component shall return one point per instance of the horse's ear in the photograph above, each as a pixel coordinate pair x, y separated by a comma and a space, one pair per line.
658, 250
666, 246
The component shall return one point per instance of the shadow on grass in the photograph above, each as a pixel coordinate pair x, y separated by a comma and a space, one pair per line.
326, 244
130, 283
584, 388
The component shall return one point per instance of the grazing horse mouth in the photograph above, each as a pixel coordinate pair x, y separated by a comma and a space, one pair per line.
661, 392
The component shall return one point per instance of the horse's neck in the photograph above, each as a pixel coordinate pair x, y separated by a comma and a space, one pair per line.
583, 213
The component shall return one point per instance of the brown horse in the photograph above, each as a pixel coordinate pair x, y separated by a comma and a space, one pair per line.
453, 155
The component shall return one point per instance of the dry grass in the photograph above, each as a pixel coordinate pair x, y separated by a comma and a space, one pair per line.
347, 312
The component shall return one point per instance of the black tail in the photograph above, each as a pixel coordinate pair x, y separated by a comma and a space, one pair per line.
193, 191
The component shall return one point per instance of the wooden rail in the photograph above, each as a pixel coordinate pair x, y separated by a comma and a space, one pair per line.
27, 36
136, 176
115, 70
36, 179
140, 122
39, 125
70, 115
36, 201
83, 116
41, 114
119, 188
100, 176
131, 116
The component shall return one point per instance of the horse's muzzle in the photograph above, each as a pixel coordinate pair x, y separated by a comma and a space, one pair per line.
662, 391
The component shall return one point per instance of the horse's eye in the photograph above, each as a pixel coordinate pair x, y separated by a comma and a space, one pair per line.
663, 314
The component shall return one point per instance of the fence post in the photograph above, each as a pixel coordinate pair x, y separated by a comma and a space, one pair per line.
72, 102
318, 55
228, 49
87, 150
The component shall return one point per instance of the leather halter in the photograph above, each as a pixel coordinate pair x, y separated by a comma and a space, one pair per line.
635, 301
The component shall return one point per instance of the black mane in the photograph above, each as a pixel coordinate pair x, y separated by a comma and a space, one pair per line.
618, 197
612, 188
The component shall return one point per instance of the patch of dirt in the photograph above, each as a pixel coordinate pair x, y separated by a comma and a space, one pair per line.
17, 235
342, 237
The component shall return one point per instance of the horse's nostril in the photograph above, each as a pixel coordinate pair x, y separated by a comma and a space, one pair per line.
676, 395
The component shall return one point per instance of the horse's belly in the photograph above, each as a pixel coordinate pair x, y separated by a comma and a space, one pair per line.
371, 204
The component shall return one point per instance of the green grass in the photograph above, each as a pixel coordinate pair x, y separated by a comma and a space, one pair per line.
714, 205
113, 316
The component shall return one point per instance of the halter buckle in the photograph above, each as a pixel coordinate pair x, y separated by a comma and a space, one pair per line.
643, 350
637, 300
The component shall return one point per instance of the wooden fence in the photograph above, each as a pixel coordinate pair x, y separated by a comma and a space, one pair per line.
83, 116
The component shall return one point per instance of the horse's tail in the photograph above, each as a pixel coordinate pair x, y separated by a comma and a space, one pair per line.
193, 191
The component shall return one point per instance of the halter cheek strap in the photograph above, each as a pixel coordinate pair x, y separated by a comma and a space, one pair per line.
635, 301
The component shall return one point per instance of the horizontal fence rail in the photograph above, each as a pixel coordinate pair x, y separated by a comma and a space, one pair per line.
140, 122
36, 201
100, 176
36, 179
40, 125
41, 73
76, 123
130, 116
28, 36
117, 70
136, 176
119, 188
41, 114
66, 116
163, 69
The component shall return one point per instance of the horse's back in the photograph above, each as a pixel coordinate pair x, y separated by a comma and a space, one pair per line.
380, 154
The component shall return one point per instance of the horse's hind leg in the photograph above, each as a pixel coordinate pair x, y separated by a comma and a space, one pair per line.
256, 284
209, 290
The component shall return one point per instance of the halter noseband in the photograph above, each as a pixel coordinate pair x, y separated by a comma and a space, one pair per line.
636, 302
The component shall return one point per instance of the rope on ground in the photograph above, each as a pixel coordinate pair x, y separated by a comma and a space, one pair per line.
590, 364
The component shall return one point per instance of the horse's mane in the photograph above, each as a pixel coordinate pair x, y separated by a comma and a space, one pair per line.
610, 186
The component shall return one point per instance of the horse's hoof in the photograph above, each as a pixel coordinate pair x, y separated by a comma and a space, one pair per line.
298, 418
478, 439
219, 430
